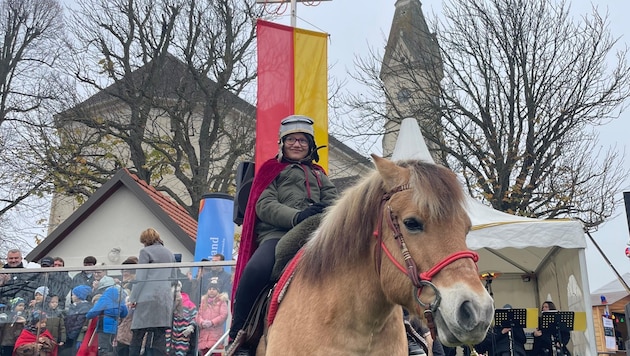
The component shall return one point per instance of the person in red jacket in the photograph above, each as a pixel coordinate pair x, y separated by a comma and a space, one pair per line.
35, 339
213, 311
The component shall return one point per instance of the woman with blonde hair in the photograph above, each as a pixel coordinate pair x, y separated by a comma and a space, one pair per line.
151, 296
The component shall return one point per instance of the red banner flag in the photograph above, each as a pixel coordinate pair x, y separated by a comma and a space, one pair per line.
292, 79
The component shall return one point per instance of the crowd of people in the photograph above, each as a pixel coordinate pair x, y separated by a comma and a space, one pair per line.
139, 312
161, 311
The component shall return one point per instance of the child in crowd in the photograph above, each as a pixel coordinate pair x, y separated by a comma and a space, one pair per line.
13, 327
184, 314
75, 320
38, 303
213, 311
55, 321
35, 339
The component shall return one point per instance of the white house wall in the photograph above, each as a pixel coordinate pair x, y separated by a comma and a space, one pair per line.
112, 227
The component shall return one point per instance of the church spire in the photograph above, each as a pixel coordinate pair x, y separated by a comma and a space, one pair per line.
411, 71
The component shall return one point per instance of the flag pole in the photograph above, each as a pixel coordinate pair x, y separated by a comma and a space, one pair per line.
293, 13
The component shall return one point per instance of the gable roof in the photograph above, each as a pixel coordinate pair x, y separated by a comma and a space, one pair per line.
614, 292
172, 215
174, 80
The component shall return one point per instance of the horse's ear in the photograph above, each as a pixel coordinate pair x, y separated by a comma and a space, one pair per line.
392, 174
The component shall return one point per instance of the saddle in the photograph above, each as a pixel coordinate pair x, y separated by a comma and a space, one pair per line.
249, 336
287, 248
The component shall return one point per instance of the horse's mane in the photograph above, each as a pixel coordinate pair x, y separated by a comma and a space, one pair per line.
345, 233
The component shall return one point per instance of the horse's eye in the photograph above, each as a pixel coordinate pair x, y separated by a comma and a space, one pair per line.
413, 225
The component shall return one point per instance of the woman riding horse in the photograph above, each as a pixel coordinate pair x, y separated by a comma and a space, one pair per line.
286, 190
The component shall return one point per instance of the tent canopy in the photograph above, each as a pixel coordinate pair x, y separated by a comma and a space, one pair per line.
524, 243
535, 260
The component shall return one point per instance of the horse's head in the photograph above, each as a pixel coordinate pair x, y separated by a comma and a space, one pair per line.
428, 266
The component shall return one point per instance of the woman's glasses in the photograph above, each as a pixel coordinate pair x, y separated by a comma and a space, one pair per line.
293, 140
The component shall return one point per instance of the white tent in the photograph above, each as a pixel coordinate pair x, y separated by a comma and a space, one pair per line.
535, 260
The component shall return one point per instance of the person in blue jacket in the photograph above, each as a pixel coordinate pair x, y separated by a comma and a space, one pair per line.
110, 308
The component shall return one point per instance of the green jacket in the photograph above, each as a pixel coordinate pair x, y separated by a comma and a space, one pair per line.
288, 194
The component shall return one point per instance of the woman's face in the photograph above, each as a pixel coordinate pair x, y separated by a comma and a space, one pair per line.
295, 147
545, 307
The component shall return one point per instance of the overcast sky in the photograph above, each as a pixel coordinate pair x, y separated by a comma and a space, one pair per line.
356, 26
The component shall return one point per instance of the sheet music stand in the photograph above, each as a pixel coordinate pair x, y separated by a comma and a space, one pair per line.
509, 318
555, 319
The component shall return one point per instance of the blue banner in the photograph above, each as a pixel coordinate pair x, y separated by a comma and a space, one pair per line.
215, 228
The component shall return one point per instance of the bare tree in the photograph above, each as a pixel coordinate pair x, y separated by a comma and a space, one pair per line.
31, 34
167, 104
523, 88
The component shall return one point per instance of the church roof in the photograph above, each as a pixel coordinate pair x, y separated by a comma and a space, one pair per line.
173, 81
409, 33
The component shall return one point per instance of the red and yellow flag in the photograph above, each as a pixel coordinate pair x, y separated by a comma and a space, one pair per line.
292, 79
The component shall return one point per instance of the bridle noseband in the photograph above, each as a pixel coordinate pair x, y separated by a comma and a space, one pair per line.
419, 280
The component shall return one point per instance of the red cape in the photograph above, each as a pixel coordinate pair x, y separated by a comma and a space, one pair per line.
265, 175
27, 337
89, 345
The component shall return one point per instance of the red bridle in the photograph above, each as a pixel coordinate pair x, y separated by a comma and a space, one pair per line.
419, 280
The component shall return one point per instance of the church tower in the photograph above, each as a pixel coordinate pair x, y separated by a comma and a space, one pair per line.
411, 72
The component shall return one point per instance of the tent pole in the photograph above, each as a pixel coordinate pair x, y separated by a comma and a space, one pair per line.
623, 282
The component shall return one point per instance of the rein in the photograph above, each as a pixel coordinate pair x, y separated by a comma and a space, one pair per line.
419, 280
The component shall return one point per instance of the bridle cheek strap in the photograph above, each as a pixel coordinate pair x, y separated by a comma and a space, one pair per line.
412, 269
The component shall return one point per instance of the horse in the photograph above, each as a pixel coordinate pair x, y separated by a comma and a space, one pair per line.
395, 239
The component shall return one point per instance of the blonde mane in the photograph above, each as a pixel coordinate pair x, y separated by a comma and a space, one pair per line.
346, 232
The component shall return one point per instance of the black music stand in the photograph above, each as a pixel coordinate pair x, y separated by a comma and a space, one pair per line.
557, 321
508, 318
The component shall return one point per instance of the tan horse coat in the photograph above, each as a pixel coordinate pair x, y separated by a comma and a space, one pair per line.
340, 304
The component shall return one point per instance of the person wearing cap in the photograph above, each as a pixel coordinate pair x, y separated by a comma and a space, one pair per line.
59, 283
504, 340
10, 330
181, 339
286, 190
109, 308
213, 311
124, 334
41, 293
35, 339
75, 319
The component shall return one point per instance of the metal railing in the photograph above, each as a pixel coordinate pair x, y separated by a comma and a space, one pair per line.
23, 282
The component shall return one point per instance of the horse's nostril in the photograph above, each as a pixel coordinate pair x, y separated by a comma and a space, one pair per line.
466, 315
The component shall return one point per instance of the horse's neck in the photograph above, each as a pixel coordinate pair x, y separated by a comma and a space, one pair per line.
352, 296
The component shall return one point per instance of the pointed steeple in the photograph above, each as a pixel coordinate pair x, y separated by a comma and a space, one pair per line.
411, 60
410, 40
